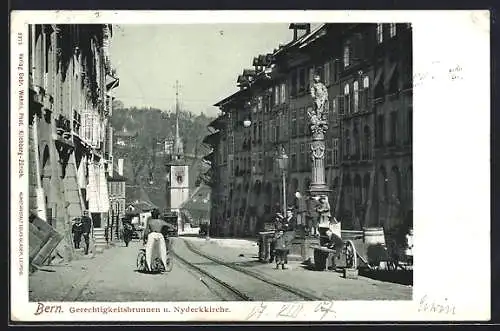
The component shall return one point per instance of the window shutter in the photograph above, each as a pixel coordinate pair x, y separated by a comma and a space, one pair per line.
366, 97
362, 100
311, 77
337, 69
341, 104
347, 104
327, 73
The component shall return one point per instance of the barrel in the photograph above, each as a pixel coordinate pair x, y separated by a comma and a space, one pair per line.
319, 259
373, 236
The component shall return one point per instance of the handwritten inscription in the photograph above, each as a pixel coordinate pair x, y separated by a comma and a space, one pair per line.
296, 310
325, 308
455, 73
434, 306
290, 310
438, 72
256, 312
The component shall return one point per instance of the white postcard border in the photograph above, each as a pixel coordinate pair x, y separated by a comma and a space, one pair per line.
451, 173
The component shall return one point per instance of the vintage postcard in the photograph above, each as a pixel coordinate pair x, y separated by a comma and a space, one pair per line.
250, 166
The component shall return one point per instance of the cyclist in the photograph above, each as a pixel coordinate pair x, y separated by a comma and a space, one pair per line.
154, 234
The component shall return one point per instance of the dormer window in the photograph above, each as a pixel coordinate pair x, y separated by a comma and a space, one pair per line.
283, 93
392, 30
347, 55
380, 33
366, 82
356, 96
346, 89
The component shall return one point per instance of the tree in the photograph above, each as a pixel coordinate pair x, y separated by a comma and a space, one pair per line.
152, 126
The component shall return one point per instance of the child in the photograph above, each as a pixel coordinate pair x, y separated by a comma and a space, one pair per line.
281, 250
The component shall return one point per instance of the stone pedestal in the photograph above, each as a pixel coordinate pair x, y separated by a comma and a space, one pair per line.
350, 273
265, 246
324, 259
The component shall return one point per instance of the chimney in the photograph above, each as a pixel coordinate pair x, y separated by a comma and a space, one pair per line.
292, 26
120, 167
300, 26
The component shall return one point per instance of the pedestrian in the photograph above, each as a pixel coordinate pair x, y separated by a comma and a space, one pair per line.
128, 230
334, 243
86, 229
324, 210
156, 232
77, 230
290, 222
278, 224
281, 249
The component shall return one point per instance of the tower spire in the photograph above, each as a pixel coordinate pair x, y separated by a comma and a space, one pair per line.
178, 147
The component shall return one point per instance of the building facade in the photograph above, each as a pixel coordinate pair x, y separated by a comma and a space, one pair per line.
368, 73
70, 140
177, 175
117, 197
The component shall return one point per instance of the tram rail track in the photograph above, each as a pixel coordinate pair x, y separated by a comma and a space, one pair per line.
222, 283
290, 291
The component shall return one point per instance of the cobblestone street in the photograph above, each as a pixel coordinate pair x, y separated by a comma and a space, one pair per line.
111, 276
328, 285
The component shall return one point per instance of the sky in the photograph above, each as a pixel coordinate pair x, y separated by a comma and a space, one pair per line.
205, 58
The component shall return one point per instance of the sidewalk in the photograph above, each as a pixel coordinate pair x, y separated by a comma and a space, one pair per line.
327, 284
57, 282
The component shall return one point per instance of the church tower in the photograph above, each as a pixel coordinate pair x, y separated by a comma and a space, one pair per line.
177, 178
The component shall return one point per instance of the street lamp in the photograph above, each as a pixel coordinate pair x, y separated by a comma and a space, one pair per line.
247, 122
283, 165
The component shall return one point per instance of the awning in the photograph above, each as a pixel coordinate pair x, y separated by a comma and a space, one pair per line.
231, 98
97, 189
111, 82
212, 139
103, 188
210, 157
389, 76
217, 123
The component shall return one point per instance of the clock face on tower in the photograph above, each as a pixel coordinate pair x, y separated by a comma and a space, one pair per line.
179, 176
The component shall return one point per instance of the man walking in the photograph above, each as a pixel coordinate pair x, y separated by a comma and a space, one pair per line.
76, 230
86, 229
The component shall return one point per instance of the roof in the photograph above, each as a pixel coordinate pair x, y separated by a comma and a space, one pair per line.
305, 38
217, 123
140, 199
141, 206
230, 98
125, 134
209, 157
116, 177
300, 42
212, 139
199, 201
317, 33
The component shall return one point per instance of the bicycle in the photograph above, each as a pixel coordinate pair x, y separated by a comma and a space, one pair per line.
156, 265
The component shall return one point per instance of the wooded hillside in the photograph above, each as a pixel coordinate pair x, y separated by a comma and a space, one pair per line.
148, 129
